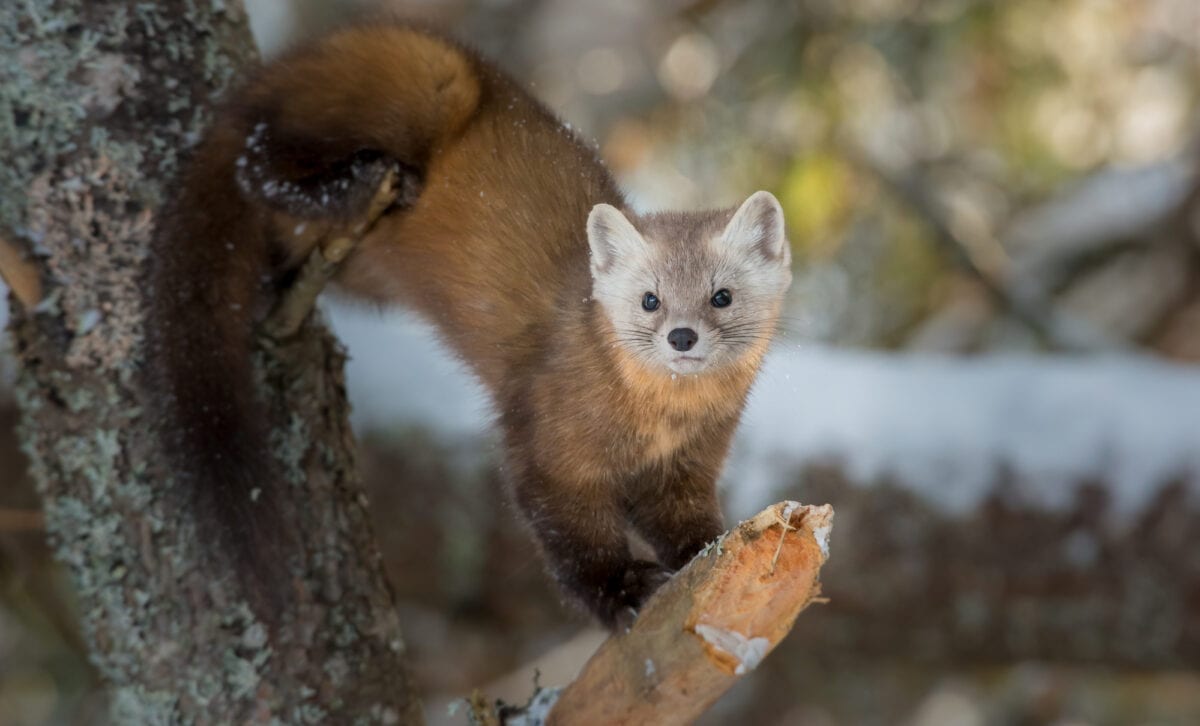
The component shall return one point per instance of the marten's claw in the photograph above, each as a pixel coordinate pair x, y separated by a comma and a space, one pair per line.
641, 580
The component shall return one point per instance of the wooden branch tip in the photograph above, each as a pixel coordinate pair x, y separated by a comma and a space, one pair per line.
322, 264
385, 196
20, 274
711, 624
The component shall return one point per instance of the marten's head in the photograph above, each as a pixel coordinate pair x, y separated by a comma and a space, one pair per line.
689, 292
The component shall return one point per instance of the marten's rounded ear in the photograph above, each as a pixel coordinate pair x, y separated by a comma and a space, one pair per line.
757, 226
611, 236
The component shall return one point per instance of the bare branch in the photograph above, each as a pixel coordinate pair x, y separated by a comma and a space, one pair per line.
322, 264
1033, 314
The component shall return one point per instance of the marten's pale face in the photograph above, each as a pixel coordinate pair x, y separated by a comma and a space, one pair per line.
690, 292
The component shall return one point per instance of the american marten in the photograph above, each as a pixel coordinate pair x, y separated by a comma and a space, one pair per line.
618, 348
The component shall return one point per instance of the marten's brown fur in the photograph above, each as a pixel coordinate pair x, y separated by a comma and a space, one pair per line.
491, 245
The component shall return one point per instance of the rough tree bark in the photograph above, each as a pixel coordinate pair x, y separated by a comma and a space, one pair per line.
99, 100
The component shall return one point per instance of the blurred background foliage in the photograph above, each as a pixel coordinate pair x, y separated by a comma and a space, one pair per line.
991, 109
959, 176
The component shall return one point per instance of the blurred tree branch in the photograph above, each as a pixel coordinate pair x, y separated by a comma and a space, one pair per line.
1038, 315
1106, 265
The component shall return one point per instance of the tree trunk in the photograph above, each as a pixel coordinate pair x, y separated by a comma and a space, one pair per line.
98, 102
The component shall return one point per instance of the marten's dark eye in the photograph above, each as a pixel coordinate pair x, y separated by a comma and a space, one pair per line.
722, 298
649, 302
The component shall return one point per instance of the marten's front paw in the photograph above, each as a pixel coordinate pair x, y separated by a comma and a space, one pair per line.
641, 580
301, 183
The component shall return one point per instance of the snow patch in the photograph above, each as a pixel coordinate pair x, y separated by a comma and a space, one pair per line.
945, 426
537, 711
942, 426
748, 652
399, 373
821, 535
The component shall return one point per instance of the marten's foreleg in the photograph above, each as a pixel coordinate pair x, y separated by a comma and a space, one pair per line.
674, 507
582, 537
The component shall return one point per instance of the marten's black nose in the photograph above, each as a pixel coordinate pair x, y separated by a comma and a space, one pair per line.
682, 338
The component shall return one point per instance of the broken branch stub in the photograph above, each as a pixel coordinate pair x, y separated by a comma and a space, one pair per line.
711, 624
20, 274
322, 264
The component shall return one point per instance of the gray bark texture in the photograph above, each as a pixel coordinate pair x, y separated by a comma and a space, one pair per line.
99, 101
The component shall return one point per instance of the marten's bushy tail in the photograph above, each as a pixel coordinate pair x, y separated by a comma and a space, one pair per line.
310, 135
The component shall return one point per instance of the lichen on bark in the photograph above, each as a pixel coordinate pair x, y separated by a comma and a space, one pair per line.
99, 102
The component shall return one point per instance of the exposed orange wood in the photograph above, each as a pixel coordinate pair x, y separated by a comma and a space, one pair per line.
710, 625
20, 275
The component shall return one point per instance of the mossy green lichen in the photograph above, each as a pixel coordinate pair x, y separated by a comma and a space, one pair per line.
135, 704
40, 112
290, 446
310, 713
241, 676
717, 546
